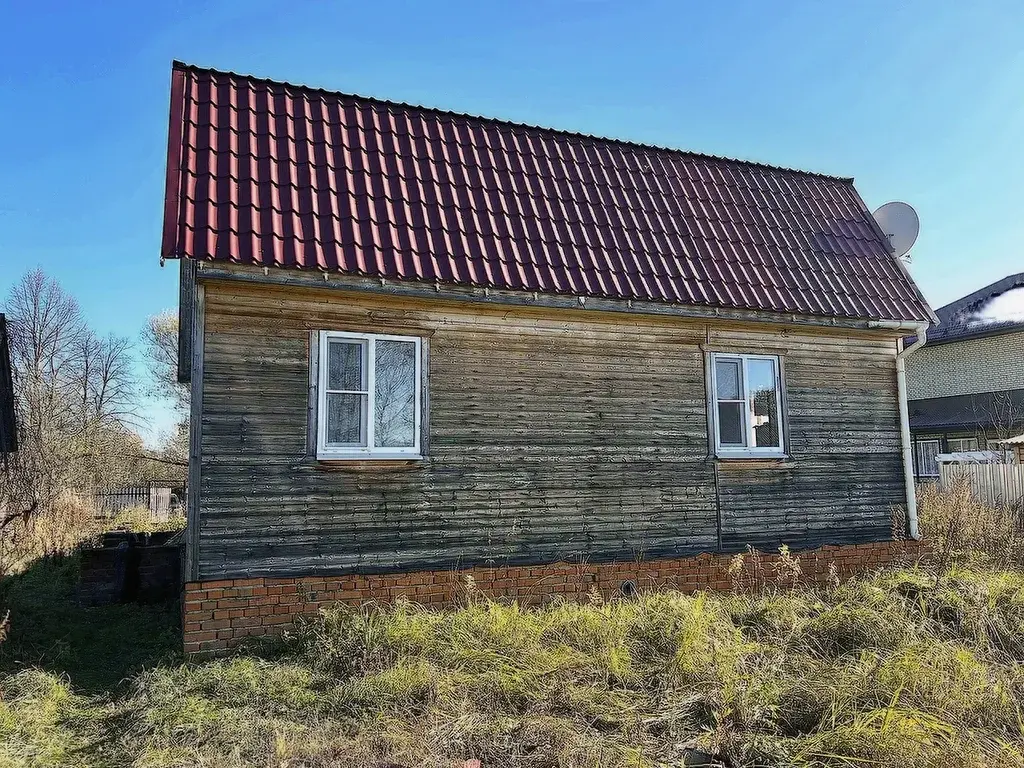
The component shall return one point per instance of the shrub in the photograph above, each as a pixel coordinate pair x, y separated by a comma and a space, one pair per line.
962, 528
139, 519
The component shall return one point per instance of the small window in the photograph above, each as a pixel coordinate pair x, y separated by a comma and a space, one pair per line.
747, 407
368, 398
963, 444
925, 452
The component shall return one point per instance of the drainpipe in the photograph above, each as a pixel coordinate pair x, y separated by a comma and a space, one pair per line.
901, 387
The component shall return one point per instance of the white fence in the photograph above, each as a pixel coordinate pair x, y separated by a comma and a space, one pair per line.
994, 484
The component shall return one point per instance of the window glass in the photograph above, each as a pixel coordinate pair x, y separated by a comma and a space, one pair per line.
925, 452
764, 420
727, 379
730, 423
345, 369
963, 444
346, 419
395, 394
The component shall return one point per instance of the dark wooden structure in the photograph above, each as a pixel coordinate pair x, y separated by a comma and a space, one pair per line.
8, 425
553, 434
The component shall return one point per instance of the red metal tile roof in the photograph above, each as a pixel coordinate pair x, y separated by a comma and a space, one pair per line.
273, 174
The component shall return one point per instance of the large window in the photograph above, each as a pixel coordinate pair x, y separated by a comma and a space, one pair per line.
925, 452
747, 407
368, 396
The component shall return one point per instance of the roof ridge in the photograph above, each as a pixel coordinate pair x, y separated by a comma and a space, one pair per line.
994, 288
180, 65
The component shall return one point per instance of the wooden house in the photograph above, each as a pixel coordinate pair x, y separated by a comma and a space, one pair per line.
422, 343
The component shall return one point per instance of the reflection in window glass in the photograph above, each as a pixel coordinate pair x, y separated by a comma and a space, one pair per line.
727, 379
395, 394
346, 422
345, 366
764, 420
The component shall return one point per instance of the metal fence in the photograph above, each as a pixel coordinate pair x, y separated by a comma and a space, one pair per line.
994, 484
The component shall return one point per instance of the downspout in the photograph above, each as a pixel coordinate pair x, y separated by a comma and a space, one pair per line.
901, 388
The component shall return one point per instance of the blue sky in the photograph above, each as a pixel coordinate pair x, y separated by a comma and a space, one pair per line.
918, 100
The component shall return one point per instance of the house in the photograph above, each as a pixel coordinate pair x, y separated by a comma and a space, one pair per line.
966, 383
8, 429
1015, 446
422, 342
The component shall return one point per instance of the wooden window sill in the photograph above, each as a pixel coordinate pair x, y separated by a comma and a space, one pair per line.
365, 465
754, 462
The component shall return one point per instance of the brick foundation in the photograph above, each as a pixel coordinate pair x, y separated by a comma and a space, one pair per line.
219, 614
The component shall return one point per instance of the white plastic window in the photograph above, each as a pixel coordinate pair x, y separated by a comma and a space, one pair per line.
368, 396
747, 405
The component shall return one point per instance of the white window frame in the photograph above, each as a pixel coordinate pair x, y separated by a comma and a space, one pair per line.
325, 451
917, 456
745, 451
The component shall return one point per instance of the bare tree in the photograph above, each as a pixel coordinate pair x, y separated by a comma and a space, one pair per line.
75, 400
1002, 416
160, 343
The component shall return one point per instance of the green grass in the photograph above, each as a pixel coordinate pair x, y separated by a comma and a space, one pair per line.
900, 669
93, 648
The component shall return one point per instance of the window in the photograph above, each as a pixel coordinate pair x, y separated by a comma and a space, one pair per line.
925, 452
962, 444
747, 408
368, 396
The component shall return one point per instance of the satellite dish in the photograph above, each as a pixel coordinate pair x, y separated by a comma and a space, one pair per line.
900, 224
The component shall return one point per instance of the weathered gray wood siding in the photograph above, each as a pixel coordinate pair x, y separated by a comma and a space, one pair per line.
846, 472
552, 435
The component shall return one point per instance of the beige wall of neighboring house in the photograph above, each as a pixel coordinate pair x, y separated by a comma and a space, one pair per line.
988, 364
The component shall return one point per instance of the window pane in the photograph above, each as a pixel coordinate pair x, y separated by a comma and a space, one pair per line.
346, 419
925, 452
963, 444
727, 379
345, 369
395, 395
730, 424
764, 418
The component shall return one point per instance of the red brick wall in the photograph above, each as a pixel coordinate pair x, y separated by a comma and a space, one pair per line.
219, 614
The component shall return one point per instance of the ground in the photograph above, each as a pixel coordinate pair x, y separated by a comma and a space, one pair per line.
906, 667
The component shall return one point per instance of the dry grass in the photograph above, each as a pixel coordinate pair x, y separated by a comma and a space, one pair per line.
962, 528
140, 520
904, 668
68, 522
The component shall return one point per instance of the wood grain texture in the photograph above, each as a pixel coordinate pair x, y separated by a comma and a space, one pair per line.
555, 434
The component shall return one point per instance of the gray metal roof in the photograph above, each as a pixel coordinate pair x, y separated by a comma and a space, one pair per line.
981, 314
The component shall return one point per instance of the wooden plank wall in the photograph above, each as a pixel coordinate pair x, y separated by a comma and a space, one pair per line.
553, 435
845, 472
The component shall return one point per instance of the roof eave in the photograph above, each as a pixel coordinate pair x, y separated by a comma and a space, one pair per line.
175, 147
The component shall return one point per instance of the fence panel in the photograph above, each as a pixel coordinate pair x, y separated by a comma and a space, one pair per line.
161, 499
994, 484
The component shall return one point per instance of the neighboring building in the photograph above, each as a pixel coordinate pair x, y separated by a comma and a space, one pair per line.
1014, 445
966, 384
421, 341
8, 427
